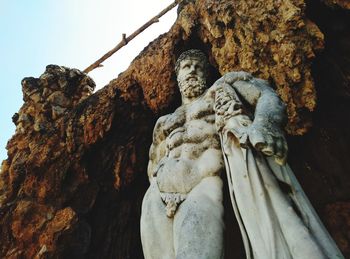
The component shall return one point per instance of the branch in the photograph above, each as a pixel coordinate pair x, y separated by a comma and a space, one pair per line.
125, 40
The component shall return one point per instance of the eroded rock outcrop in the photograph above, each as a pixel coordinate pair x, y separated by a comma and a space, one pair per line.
76, 170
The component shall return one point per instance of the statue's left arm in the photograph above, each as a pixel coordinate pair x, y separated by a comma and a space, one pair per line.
266, 132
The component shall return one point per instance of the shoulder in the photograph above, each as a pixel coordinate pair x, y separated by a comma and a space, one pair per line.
161, 122
158, 131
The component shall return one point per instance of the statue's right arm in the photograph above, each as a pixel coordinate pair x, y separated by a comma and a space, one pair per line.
158, 147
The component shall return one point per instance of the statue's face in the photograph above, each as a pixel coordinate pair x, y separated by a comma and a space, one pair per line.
191, 77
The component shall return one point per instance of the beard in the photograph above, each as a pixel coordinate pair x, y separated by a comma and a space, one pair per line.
192, 87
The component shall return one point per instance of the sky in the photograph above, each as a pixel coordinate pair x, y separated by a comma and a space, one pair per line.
72, 33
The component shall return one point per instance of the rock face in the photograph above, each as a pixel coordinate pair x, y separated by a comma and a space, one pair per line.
76, 170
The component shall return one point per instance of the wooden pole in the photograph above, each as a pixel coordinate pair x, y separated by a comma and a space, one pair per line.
125, 40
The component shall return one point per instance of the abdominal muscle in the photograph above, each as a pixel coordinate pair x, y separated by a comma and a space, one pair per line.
183, 169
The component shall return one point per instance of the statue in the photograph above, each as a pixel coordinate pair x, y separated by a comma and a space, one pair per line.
212, 132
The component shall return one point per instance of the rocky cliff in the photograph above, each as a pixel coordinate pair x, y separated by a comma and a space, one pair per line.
76, 170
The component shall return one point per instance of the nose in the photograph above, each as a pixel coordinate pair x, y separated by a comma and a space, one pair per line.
192, 69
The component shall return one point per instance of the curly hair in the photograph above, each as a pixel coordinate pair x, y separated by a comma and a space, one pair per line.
192, 53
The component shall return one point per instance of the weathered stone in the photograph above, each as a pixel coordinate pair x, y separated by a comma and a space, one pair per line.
58, 98
57, 111
103, 139
338, 3
35, 97
30, 86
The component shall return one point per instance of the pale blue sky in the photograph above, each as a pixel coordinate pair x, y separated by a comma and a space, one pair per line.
72, 33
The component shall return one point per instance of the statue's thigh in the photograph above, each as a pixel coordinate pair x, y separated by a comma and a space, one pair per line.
156, 227
198, 223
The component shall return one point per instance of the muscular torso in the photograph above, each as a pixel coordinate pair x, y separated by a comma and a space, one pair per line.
191, 147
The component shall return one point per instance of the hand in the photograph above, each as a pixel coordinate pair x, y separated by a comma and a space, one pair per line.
269, 139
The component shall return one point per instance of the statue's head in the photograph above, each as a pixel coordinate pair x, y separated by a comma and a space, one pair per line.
191, 69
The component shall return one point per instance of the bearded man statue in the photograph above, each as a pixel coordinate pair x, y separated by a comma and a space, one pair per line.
213, 131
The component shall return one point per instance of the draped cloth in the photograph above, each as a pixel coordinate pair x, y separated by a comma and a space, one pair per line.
275, 217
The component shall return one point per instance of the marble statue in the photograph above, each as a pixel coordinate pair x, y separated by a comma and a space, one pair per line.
213, 131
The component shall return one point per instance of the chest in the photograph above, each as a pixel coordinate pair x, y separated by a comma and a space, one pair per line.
190, 116
199, 110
